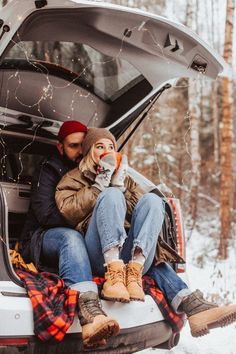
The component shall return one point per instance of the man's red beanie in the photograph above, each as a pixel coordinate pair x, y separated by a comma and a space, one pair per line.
70, 127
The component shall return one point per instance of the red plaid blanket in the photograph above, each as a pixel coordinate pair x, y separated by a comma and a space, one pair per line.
54, 305
175, 320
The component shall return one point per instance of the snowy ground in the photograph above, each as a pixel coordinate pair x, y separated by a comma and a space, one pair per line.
217, 279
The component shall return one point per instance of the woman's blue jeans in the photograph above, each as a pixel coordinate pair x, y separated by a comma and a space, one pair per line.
66, 248
106, 228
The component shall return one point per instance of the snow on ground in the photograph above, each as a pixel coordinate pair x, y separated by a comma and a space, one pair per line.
217, 280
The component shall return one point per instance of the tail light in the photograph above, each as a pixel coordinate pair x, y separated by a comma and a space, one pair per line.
16, 342
180, 235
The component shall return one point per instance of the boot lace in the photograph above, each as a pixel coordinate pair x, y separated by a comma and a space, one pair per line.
195, 303
91, 308
116, 275
133, 275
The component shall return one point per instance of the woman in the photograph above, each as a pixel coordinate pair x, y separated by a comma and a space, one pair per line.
101, 201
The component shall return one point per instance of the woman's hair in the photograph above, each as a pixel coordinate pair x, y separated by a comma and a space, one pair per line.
87, 162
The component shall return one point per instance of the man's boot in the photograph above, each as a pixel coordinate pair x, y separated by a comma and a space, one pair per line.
114, 288
203, 315
96, 325
134, 281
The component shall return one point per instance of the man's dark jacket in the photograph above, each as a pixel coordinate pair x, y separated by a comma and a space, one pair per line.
43, 213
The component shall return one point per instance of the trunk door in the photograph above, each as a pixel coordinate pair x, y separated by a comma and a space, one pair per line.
93, 61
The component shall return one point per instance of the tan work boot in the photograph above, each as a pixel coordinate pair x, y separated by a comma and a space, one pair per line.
114, 288
97, 327
134, 281
203, 315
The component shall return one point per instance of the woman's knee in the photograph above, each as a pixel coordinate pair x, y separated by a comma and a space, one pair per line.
154, 201
112, 194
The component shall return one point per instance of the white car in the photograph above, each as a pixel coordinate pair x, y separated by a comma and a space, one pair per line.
103, 65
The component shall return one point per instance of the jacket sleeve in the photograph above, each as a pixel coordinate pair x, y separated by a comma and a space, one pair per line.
74, 199
132, 194
43, 202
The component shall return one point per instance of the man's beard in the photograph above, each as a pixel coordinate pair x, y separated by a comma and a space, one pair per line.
70, 163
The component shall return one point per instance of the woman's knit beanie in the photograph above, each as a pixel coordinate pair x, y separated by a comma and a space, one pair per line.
95, 134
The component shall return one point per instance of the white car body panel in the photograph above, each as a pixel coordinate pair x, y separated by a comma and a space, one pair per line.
18, 316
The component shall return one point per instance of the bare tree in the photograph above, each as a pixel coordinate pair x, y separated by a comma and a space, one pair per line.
194, 101
215, 116
194, 92
226, 140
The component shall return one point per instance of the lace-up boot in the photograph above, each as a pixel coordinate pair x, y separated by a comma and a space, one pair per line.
96, 325
134, 281
114, 288
203, 315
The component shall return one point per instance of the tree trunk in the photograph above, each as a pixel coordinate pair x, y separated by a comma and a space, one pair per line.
226, 141
215, 116
195, 116
194, 100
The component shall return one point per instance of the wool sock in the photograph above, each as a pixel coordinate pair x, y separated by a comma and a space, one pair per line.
112, 255
138, 257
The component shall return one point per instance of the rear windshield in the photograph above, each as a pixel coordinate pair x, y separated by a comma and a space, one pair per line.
101, 74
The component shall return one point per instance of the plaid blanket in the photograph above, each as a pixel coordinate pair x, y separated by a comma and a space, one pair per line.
175, 320
54, 305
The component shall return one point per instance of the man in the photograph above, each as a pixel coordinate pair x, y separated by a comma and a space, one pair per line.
49, 242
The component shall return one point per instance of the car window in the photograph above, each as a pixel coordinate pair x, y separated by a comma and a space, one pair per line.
106, 76
19, 158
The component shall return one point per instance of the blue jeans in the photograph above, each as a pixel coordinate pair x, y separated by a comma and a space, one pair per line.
106, 228
170, 283
66, 248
